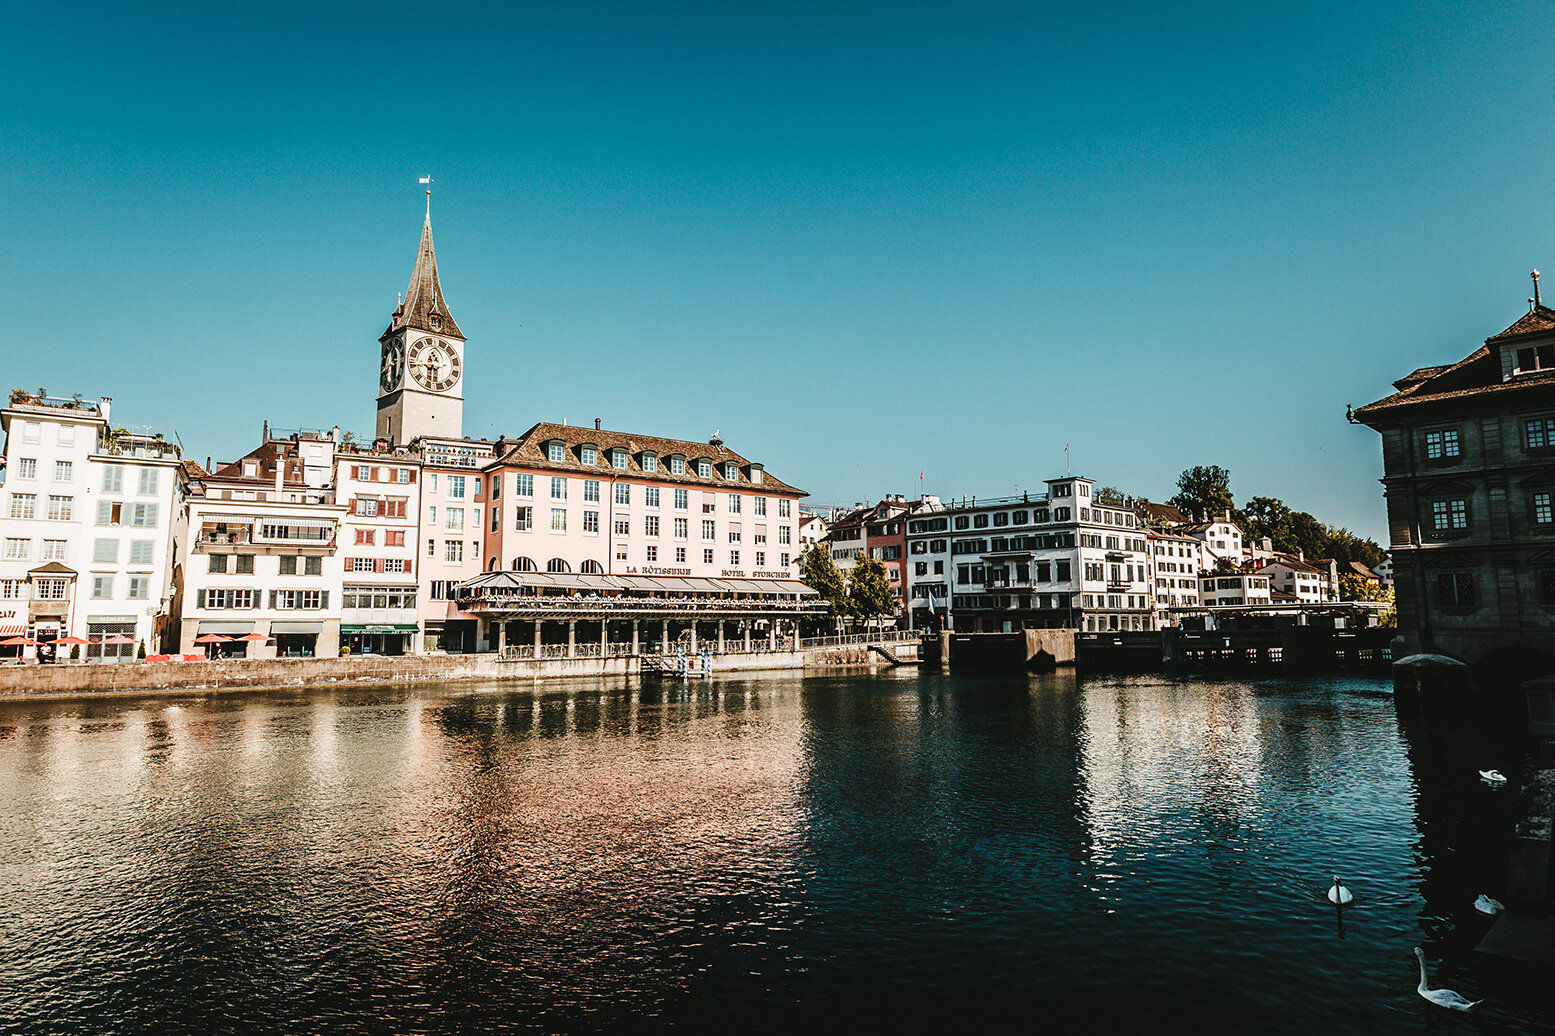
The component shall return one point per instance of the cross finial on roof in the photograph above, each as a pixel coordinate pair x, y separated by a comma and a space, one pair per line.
1535, 276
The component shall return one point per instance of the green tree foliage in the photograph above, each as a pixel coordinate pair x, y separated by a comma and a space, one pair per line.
869, 591
819, 572
1110, 495
1203, 493
1356, 587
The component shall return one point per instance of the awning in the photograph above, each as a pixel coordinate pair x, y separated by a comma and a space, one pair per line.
378, 627
225, 628
294, 627
13, 631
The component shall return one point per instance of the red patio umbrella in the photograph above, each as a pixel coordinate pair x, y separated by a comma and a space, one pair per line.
118, 638
256, 638
213, 638
17, 642
72, 640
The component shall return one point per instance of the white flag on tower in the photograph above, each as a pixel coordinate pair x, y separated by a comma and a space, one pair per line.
426, 179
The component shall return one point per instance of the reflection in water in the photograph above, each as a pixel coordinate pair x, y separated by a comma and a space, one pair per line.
896, 850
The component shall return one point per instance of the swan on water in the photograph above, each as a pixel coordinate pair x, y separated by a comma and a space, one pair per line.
1339, 895
1441, 997
1492, 776
1485, 905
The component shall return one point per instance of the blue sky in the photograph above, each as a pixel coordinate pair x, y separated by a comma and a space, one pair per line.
862, 240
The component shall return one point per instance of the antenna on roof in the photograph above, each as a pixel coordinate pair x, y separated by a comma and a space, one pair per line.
1535, 276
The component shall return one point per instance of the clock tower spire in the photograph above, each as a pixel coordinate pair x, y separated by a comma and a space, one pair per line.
421, 369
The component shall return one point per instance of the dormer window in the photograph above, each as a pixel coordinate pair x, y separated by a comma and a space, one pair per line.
705, 467
436, 321
731, 471
250, 469
618, 459
588, 455
650, 462
756, 474
1534, 358
677, 464
555, 451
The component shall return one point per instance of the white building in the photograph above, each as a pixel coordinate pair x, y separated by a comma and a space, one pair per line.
813, 528
1176, 559
1058, 560
1306, 583
1222, 541
1237, 590
262, 557
89, 522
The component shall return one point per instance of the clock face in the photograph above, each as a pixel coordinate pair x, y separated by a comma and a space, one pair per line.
390, 373
434, 364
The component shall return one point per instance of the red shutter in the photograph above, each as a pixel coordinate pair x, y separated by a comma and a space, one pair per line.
412, 476
377, 564
407, 566
349, 563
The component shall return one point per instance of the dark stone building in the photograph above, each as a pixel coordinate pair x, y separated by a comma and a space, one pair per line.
1469, 468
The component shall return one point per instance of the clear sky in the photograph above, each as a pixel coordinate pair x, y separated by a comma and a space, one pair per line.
862, 240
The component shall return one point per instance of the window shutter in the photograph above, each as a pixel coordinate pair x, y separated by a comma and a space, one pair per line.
412, 476
353, 472
324, 599
272, 600
377, 564
199, 599
349, 562
407, 564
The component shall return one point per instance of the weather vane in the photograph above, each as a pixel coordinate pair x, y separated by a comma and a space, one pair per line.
428, 181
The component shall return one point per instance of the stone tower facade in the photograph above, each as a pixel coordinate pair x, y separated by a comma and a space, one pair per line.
421, 359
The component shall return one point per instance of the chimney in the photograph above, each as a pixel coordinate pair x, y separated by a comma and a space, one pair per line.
596, 424
264, 433
334, 435
104, 404
280, 474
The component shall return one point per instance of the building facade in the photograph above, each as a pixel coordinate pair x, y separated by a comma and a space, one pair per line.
1468, 454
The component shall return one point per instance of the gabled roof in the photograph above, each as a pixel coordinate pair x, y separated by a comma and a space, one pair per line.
53, 568
265, 457
1536, 320
1166, 514
424, 297
528, 451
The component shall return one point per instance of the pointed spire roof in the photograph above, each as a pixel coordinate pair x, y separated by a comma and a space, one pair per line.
424, 297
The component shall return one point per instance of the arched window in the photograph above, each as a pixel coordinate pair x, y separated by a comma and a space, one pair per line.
491, 563
592, 566
557, 565
523, 565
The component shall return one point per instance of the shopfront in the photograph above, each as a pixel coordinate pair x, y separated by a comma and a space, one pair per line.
296, 639
383, 638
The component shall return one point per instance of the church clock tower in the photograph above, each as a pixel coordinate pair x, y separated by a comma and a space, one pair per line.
421, 361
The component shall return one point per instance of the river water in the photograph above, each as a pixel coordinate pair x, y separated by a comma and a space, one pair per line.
894, 851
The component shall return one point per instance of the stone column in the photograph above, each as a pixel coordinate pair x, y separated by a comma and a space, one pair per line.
747, 637
572, 638
795, 629
664, 636
693, 637
604, 637
502, 635
720, 636
635, 624
539, 624
771, 634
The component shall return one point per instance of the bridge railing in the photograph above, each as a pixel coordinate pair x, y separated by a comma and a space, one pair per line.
883, 637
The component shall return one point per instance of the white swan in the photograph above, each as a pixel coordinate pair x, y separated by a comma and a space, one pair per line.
1339, 895
1441, 997
1492, 776
1485, 905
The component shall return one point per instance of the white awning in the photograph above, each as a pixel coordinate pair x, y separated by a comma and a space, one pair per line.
225, 628
296, 627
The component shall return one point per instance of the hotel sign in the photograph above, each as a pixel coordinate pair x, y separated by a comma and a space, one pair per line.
655, 570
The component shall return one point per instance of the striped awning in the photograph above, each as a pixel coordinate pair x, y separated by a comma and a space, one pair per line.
13, 630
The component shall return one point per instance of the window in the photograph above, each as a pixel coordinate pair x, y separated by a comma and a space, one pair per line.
524, 485
651, 522
218, 563
705, 468
456, 487
558, 488
623, 494
590, 491
67, 435
32, 432
432, 515
453, 550
588, 455
16, 548
734, 557
299, 599
496, 518
709, 531
1541, 509
734, 503
245, 564
677, 465
143, 516
707, 557
682, 528
590, 521
621, 554
557, 565
783, 506
27, 467
102, 586
734, 532
963, 522
650, 463
64, 471
980, 521
618, 459
523, 519
652, 552
555, 452
651, 496
1535, 358
54, 550
496, 487
783, 561
24, 505
680, 555
1441, 444
431, 548
358, 565
367, 536
140, 588
105, 552
287, 565
761, 559
149, 482
623, 527
1449, 515
558, 519
682, 499
1455, 589
431, 481
453, 519
49, 589
785, 534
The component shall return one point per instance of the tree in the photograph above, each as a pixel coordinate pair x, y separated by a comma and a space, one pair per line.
1204, 493
1355, 587
869, 591
1110, 495
819, 572
1267, 516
